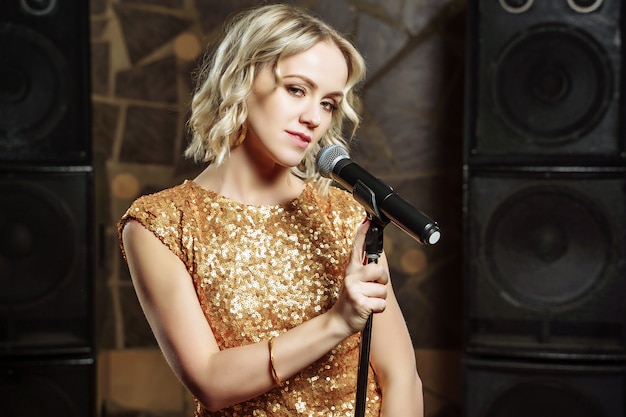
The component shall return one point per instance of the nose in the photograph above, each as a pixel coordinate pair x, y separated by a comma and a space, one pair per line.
311, 115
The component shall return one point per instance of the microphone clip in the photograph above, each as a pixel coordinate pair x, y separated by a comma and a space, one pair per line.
374, 239
367, 198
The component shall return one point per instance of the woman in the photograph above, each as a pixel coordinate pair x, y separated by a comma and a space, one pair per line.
252, 275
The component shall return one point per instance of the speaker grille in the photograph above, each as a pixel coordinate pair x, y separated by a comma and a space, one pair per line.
45, 262
45, 82
545, 85
545, 263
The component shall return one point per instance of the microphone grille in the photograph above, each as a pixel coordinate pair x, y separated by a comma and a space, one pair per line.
328, 157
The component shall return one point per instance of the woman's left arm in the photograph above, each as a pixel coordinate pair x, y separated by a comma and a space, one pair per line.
393, 359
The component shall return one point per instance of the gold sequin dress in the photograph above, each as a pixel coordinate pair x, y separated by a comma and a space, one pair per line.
261, 270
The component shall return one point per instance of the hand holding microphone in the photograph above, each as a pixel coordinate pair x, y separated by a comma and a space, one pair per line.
378, 198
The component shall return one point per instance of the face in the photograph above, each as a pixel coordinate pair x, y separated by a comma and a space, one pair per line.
287, 117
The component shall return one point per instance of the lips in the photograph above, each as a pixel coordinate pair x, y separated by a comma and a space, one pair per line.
300, 138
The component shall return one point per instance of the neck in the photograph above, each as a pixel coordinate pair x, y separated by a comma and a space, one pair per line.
243, 181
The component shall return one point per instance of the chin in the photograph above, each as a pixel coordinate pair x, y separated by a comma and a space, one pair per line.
293, 159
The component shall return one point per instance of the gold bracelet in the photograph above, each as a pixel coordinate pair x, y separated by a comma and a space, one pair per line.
274, 374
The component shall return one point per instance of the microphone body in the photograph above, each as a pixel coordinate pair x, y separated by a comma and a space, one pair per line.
378, 198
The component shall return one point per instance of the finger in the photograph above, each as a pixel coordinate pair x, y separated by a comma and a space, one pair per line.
358, 244
378, 305
375, 290
374, 272
375, 298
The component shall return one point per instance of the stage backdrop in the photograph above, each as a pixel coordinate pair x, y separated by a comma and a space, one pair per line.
143, 54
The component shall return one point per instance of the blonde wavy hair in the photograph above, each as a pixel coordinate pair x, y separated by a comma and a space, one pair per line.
252, 39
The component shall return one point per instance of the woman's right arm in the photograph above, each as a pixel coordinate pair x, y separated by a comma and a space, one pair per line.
220, 379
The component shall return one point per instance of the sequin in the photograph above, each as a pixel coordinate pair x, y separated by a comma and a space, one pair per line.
268, 269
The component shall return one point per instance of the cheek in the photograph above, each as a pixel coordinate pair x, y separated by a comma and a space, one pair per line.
325, 124
266, 106
258, 113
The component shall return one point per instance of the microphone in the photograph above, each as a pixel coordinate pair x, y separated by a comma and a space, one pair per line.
378, 198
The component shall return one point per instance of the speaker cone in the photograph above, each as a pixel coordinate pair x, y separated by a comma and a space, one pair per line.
32, 396
547, 247
542, 398
37, 245
49, 387
552, 84
32, 91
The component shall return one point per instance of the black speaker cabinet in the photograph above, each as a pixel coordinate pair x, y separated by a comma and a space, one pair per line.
44, 82
522, 389
546, 269
45, 261
545, 82
51, 388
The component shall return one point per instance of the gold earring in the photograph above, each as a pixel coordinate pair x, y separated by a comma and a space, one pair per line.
242, 136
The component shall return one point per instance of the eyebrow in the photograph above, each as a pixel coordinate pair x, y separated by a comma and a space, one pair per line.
313, 84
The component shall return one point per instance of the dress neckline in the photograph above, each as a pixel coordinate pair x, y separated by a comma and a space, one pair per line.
231, 201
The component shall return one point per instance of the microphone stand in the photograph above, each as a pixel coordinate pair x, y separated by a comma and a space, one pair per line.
373, 250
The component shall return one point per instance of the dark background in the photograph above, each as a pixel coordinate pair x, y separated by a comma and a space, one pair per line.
501, 119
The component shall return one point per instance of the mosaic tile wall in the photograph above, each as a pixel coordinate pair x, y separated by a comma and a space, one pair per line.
143, 52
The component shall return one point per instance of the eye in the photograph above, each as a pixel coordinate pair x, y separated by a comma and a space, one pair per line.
329, 106
296, 91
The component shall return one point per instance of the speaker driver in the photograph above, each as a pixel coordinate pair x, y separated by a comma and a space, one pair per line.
32, 92
516, 6
585, 6
37, 245
47, 386
32, 396
547, 247
38, 7
542, 398
552, 84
